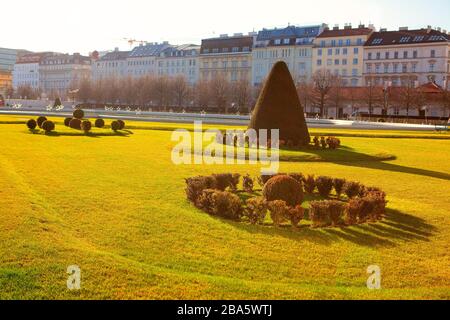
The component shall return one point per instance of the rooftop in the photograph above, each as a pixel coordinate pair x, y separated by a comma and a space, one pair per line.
149, 50
404, 36
348, 31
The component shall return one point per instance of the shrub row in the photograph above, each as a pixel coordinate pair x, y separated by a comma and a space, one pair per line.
370, 207
326, 142
42, 123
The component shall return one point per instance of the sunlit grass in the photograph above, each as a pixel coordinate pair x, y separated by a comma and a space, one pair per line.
115, 206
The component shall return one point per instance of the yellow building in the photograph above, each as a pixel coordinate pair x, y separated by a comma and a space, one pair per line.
229, 57
341, 51
5, 82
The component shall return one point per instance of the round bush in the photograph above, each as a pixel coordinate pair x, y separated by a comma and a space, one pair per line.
67, 121
122, 124
284, 188
40, 121
75, 124
86, 126
78, 114
99, 123
31, 124
48, 126
115, 125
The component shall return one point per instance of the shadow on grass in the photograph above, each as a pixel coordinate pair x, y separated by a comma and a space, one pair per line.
347, 157
88, 134
394, 228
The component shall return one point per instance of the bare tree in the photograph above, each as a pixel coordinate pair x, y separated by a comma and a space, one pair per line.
202, 94
241, 94
323, 82
162, 91
407, 94
371, 96
85, 90
305, 90
220, 92
337, 94
180, 89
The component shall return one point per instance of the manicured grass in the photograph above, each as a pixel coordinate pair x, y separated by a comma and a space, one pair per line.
115, 206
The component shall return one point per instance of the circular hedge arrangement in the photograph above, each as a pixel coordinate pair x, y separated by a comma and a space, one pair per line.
99, 123
78, 114
31, 124
75, 124
40, 121
339, 202
48, 126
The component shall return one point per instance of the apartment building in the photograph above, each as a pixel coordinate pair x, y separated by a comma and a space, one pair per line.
400, 57
110, 65
142, 59
7, 61
293, 45
341, 51
26, 70
180, 60
229, 57
60, 73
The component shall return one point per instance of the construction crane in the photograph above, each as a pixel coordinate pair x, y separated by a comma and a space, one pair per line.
131, 42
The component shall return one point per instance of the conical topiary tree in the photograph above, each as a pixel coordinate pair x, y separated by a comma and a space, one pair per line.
278, 107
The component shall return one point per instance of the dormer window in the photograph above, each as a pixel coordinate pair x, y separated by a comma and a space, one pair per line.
277, 41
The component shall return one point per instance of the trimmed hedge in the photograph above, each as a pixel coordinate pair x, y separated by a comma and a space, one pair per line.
48, 126
99, 123
75, 124
78, 114
324, 185
31, 124
67, 121
121, 124
40, 120
284, 188
256, 210
86, 126
115, 125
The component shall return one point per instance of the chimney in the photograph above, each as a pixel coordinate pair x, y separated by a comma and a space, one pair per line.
372, 26
224, 35
116, 49
428, 29
237, 35
439, 29
348, 26
326, 26
336, 27
403, 29
362, 26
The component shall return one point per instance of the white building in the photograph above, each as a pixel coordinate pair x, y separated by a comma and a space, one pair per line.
60, 73
26, 70
111, 65
293, 45
142, 59
398, 57
182, 60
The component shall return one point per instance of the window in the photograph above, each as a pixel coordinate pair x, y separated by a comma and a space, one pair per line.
286, 41
333, 43
329, 62
405, 55
246, 49
359, 42
354, 82
341, 43
344, 62
405, 39
235, 49
369, 68
377, 68
369, 56
277, 41
337, 51
215, 50
354, 72
330, 52
396, 55
348, 42
319, 62
355, 61
377, 41
433, 54
414, 67
386, 68
336, 62
386, 55
344, 51
395, 67
355, 50
322, 43
431, 67
415, 54
404, 68
378, 55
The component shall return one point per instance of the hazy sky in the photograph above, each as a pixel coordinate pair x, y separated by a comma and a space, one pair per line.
87, 25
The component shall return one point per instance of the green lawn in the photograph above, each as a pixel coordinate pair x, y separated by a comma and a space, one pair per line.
115, 206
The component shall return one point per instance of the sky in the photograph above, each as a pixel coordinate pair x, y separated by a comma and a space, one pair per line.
87, 25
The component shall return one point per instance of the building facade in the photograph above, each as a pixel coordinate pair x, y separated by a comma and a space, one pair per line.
7, 61
293, 45
26, 70
398, 58
142, 59
110, 65
60, 73
181, 60
341, 51
229, 57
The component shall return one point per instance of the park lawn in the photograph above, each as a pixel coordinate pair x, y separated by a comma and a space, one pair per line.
115, 206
